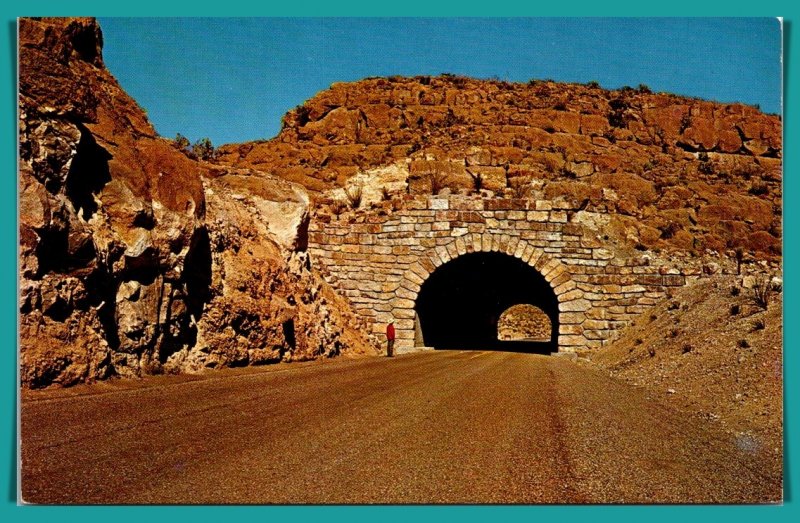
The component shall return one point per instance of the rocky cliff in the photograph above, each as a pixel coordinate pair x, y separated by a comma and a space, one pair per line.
678, 174
137, 259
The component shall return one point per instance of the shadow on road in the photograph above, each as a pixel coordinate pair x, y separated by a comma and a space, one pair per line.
529, 347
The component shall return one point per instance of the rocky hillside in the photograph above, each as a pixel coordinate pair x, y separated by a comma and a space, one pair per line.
679, 174
137, 259
715, 352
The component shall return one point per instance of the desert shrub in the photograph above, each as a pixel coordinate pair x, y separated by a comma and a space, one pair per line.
686, 122
337, 207
521, 191
735, 291
594, 84
651, 351
438, 181
739, 253
616, 117
705, 167
638, 341
673, 333
743, 344
568, 173
759, 325
687, 348
762, 289
735, 309
669, 230
758, 189
354, 194
181, 142
674, 306
203, 149
477, 181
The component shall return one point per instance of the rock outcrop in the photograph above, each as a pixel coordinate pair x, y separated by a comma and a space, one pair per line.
678, 174
135, 258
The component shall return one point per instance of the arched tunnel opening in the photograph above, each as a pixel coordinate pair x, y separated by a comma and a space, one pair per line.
461, 303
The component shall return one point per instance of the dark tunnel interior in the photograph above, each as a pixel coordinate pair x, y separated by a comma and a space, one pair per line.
460, 303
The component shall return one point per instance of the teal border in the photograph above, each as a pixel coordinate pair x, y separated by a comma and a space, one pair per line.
8, 211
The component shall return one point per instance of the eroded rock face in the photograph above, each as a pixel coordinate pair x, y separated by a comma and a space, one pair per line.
678, 174
125, 269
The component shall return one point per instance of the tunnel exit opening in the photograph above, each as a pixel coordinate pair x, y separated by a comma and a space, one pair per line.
461, 303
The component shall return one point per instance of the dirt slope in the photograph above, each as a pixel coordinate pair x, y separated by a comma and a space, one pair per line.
712, 351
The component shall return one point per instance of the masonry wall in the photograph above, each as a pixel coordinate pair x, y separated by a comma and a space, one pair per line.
379, 262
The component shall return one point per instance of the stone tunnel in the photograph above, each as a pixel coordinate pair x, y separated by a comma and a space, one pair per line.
444, 269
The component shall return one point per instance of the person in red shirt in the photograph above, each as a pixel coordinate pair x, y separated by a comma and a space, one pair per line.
390, 339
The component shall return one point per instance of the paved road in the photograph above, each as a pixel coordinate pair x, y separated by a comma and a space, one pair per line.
442, 427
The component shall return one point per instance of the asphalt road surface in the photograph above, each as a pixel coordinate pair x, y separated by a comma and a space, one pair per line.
438, 427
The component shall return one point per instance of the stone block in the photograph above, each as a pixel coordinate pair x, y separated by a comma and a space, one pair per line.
404, 334
438, 204
543, 262
451, 250
577, 305
401, 303
414, 278
389, 286
597, 334
565, 286
410, 286
595, 324
461, 246
402, 292
404, 346
570, 295
602, 254
566, 328
574, 340
404, 314
575, 318
557, 270
403, 324
538, 216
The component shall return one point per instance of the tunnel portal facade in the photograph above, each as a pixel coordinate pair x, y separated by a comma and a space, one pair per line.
432, 269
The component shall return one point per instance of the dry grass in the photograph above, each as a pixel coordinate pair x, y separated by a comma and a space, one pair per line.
354, 194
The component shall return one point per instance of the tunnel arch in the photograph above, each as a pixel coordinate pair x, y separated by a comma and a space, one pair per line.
459, 306
570, 306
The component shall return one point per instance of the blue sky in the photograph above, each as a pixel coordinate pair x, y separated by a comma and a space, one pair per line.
232, 79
